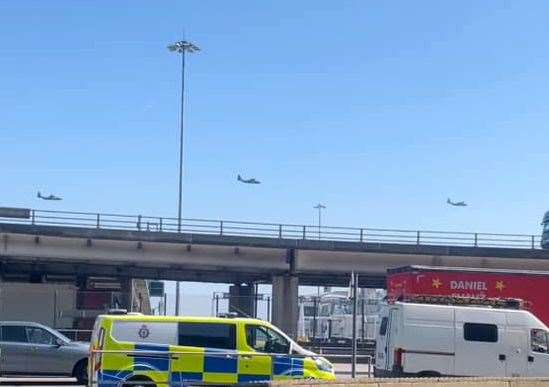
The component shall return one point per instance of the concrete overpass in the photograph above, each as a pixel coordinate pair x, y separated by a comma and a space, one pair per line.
241, 252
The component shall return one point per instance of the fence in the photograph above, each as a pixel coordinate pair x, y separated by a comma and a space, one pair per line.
274, 230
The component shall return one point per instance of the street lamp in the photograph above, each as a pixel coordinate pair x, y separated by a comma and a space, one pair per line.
181, 47
319, 207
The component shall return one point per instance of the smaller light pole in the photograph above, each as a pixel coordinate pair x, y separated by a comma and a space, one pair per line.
319, 207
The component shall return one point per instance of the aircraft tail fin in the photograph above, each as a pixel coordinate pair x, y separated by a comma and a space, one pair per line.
448, 201
38, 195
239, 178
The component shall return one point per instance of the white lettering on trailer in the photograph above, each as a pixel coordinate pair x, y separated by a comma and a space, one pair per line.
468, 285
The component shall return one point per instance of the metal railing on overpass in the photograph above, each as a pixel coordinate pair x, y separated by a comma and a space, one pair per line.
272, 230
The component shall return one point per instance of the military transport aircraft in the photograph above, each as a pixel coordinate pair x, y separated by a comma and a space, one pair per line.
248, 181
49, 197
456, 204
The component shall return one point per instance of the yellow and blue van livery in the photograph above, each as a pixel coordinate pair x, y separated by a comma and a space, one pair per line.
179, 351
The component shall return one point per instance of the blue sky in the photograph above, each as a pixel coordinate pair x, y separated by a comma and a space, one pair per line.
380, 110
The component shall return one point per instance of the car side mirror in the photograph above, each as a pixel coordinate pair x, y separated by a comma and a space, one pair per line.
59, 343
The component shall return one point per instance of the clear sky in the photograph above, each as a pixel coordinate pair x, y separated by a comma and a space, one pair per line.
378, 109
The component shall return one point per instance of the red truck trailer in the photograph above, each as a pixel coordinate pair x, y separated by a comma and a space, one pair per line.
532, 287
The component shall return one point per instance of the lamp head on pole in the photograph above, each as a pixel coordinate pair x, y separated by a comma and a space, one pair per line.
319, 206
183, 46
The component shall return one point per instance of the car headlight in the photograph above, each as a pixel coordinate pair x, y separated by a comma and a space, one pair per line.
324, 365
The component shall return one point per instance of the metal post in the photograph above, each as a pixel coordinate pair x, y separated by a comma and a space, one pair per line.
315, 303
269, 309
165, 304
160, 224
181, 48
363, 318
533, 242
98, 223
33, 217
476, 240
256, 296
221, 228
216, 305
279, 231
355, 304
319, 207
55, 309
361, 235
180, 197
131, 295
139, 222
319, 222
177, 291
418, 238
304, 233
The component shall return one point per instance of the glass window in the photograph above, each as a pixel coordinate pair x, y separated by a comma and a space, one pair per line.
40, 336
546, 227
326, 310
14, 334
264, 339
343, 308
207, 335
538, 340
487, 333
383, 326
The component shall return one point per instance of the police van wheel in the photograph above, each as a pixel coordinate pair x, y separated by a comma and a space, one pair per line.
139, 381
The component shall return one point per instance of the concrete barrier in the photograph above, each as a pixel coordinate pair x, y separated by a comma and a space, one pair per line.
427, 382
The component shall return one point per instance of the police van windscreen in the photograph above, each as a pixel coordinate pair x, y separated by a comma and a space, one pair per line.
207, 335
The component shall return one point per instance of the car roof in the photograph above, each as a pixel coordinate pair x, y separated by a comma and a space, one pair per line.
146, 318
23, 323
464, 307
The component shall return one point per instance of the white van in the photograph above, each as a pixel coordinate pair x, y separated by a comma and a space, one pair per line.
445, 340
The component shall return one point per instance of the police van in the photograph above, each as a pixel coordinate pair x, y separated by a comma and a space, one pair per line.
159, 350
492, 339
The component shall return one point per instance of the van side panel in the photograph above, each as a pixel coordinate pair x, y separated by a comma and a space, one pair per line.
479, 355
427, 338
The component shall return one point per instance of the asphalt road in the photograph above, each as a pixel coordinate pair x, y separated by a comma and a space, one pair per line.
343, 371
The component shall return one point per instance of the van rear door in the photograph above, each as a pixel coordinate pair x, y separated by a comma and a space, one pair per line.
381, 341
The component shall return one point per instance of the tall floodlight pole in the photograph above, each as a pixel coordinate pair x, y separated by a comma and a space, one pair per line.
181, 47
319, 207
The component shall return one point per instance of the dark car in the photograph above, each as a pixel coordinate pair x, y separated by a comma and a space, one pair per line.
29, 348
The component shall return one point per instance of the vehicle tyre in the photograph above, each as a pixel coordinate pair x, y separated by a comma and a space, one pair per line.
80, 371
428, 374
139, 381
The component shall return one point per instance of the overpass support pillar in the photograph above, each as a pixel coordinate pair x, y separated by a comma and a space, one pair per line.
285, 303
242, 300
